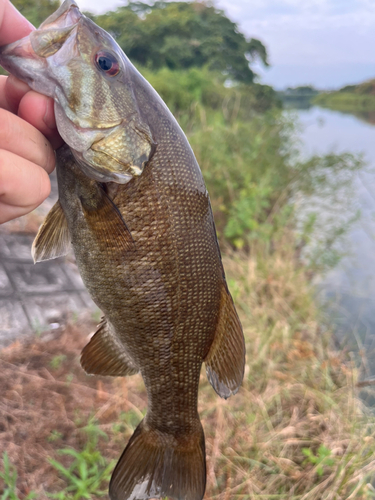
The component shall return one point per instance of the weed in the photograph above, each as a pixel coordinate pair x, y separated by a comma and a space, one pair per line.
54, 436
320, 460
57, 361
9, 477
297, 394
96, 315
128, 421
88, 474
38, 327
74, 317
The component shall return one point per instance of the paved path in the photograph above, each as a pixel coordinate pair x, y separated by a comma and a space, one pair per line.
36, 297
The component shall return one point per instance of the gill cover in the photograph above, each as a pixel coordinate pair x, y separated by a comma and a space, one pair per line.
80, 66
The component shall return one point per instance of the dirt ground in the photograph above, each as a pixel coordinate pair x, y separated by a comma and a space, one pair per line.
47, 400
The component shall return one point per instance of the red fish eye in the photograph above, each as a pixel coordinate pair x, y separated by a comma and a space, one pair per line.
107, 62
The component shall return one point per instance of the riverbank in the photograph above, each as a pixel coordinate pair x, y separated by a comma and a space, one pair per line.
296, 429
356, 99
346, 102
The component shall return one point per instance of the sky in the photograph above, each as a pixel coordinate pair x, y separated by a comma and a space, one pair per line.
325, 43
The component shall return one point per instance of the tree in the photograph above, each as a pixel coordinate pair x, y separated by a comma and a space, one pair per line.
181, 35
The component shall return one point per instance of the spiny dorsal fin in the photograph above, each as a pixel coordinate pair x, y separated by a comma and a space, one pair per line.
105, 355
225, 362
53, 238
108, 223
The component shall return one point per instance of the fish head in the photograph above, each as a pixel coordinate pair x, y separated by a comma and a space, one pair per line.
79, 65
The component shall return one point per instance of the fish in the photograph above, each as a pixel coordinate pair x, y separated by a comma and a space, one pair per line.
134, 206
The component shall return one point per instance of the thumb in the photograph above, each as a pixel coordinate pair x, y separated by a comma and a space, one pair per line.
13, 25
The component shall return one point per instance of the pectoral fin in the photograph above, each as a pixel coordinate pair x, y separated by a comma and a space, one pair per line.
105, 355
225, 361
53, 238
108, 224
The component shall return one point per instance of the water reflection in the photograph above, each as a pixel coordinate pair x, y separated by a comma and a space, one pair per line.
365, 116
349, 288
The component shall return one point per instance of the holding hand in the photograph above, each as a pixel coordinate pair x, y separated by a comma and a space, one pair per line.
26, 140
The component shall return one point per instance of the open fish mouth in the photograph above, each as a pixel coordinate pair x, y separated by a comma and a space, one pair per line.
69, 58
27, 58
79, 65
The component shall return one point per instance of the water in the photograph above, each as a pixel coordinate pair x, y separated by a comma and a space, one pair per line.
349, 288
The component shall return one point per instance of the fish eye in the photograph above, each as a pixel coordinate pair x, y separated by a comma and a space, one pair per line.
107, 62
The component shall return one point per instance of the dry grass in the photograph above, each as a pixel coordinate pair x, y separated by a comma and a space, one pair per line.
297, 394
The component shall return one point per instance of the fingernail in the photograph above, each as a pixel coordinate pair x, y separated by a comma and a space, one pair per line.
49, 115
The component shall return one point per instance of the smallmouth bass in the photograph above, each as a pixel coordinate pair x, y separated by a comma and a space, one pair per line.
133, 204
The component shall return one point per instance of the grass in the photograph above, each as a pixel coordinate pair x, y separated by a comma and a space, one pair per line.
88, 473
295, 430
9, 477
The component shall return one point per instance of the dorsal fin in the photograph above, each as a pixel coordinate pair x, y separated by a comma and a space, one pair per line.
53, 238
105, 355
225, 361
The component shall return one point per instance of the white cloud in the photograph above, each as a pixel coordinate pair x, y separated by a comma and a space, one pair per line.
310, 33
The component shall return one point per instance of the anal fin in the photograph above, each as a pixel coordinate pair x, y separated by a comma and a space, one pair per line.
53, 238
105, 355
225, 361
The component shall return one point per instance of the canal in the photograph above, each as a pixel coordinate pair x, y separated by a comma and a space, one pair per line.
348, 289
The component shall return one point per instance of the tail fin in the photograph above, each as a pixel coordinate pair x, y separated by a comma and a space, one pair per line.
158, 465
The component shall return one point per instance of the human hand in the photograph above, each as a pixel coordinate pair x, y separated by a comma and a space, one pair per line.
26, 140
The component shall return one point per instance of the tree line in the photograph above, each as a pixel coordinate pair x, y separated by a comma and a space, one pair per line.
176, 35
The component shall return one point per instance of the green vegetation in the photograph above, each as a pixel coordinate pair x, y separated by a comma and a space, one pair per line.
9, 477
298, 97
36, 11
245, 147
302, 90
88, 473
184, 90
242, 141
57, 361
181, 35
321, 459
296, 429
350, 99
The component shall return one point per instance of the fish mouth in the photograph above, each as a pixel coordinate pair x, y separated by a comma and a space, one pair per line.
66, 15
27, 58
47, 60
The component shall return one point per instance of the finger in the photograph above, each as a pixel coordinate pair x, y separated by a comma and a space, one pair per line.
33, 146
10, 212
23, 185
11, 92
3, 100
37, 110
13, 25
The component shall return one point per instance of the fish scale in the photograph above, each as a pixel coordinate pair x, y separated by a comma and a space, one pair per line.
133, 204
